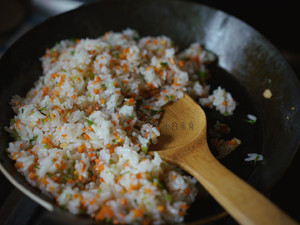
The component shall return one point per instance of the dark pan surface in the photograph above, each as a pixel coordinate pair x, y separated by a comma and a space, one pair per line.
247, 65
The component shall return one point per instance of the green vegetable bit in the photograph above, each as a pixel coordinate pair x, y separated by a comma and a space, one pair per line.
15, 135
168, 197
201, 74
250, 121
116, 54
89, 122
144, 149
33, 139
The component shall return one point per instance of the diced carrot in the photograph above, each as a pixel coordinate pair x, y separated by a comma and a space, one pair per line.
45, 91
102, 101
186, 191
57, 166
111, 150
54, 75
30, 168
99, 168
31, 175
96, 91
183, 206
81, 148
56, 93
181, 213
173, 177
232, 142
104, 212
64, 135
51, 188
18, 123
90, 155
138, 213
46, 140
52, 116
161, 208
133, 187
145, 222
125, 50
86, 137
138, 175
147, 190
19, 165
181, 63
131, 100
123, 201
93, 200
70, 180
44, 181
80, 178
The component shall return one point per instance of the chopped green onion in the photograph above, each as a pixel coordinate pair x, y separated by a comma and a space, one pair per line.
72, 52
99, 191
33, 139
163, 64
201, 74
144, 149
168, 197
12, 121
92, 75
36, 166
116, 54
136, 37
15, 135
226, 113
89, 122
131, 117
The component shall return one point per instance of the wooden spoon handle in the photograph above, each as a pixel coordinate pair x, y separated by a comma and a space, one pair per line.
242, 202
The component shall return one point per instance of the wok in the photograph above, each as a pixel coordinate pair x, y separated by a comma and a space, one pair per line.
247, 65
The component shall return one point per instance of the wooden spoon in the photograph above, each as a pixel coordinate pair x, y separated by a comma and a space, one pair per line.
183, 143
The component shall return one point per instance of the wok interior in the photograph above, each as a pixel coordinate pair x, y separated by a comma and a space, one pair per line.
246, 65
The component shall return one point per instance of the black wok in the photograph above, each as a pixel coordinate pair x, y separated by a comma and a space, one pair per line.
247, 65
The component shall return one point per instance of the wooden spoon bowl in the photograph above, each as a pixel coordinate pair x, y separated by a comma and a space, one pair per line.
183, 143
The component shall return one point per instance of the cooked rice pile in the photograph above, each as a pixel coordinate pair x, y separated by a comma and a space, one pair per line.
83, 132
